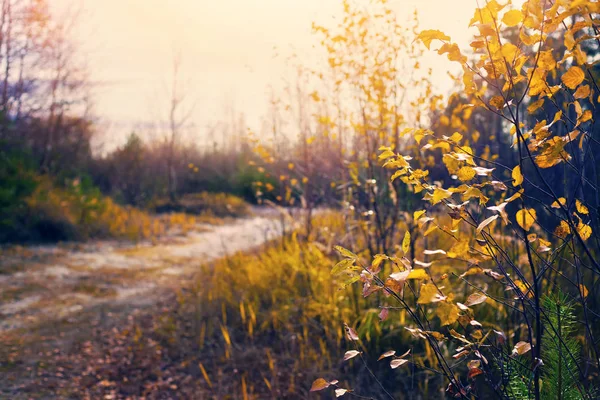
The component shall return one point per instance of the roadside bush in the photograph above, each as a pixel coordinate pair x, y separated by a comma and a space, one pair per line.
215, 204
78, 211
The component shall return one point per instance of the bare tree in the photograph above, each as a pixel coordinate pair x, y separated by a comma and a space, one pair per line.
180, 112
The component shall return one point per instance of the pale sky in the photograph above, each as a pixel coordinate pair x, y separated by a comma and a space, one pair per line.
228, 49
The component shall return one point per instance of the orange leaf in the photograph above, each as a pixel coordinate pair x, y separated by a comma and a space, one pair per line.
319, 384
573, 77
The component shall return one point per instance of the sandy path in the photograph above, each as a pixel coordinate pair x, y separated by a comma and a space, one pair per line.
46, 283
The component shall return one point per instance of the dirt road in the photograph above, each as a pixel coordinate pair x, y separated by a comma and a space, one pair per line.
44, 283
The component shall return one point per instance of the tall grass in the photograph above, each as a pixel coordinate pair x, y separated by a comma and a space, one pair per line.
266, 324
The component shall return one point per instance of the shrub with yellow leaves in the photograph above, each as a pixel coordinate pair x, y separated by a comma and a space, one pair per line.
517, 206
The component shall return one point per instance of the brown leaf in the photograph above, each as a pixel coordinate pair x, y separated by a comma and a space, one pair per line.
501, 336
405, 354
388, 353
461, 354
485, 223
475, 298
383, 314
350, 354
473, 372
351, 333
395, 363
521, 348
369, 289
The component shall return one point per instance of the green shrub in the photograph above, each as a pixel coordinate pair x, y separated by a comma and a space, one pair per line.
17, 181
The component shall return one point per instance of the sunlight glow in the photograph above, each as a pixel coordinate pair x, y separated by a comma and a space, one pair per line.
232, 50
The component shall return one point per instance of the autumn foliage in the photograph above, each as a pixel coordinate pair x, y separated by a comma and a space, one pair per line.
459, 254
506, 242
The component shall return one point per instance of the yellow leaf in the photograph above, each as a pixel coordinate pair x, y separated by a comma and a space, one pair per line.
377, 260
456, 137
512, 18
546, 60
557, 117
429, 294
585, 231
561, 201
569, 40
397, 174
459, 249
345, 252
486, 15
523, 288
573, 77
453, 51
418, 214
534, 106
451, 163
562, 230
509, 52
474, 192
583, 290
427, 36
406, 242
537, 82
552, 153
497, 101
469, 83
439, 195
517, 176
472, 271
515, 196
544, 242
582, 209
342, 266
418, 274
526, 218
582, 92
586, 116
386, 154
447, 313
466, 173
430, 230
